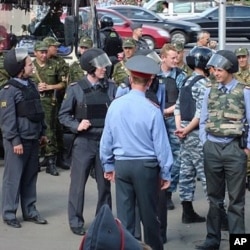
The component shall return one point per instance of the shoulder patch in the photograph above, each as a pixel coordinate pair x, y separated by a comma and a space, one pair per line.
73, 83
6, 86
3, 104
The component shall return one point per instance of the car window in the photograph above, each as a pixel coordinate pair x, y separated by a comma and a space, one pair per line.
182, 8
201, 6
116, 19
135, 14
241, 12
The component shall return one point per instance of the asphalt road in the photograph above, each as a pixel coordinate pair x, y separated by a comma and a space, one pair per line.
52, 204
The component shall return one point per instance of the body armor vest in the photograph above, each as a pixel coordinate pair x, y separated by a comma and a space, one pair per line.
95, 106
31, 106
226, 112
187, 103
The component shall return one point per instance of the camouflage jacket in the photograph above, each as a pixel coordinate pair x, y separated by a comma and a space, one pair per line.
76, 73
4, 77
120, 73
226, 122
243, 76
50, 73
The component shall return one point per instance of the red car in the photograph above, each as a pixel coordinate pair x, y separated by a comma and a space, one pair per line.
155, 37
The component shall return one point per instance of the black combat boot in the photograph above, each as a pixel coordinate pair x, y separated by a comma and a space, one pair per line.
170, 204
189, 215
51, 168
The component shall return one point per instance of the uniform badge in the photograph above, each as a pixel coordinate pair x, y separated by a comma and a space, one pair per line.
3, 104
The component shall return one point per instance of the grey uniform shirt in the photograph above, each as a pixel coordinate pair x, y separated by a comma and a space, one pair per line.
73, 97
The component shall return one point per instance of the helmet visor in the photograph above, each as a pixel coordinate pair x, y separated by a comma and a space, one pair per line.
101, 61
218, 61
153, 55
21, 54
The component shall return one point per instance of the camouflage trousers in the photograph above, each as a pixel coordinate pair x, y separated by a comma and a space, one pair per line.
50, 110
175, 147
192, 165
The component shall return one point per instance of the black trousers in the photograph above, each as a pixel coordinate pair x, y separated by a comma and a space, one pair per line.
85, 154
225, 165
138, 180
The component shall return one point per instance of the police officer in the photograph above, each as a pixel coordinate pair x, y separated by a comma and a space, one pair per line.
137, 36
171, 77
49, 78
22, 124
149, 156
120, 73
187, 114
76, 73
3, 74
243, 76
226, 105
83, 112
111, 41
179, 46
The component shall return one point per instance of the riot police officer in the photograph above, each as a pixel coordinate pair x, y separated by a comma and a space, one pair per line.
22, 124
83, 112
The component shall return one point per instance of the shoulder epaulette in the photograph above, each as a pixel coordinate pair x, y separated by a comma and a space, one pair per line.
247, 87
73, 83
123, 85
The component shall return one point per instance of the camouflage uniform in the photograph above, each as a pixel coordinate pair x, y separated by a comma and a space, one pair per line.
191, 152
179, 46
76, 73
3, 74
186, 69
120, 73
64, 71
170, 125
50, 74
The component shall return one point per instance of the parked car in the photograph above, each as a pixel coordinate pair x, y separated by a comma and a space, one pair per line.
237, 21
178, 9
179, 30
155, 37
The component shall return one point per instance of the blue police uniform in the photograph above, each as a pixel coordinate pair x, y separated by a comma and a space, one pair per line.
20, 171
178, 76
85, 149
136, 145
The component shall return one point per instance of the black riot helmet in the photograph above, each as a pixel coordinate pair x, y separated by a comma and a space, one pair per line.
94, 58
14, 61
106, 21
224, 59
198, 57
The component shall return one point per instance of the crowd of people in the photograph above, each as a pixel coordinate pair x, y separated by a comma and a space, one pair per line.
151, 123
